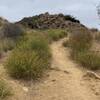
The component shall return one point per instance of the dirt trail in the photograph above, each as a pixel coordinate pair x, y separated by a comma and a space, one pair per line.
63, 82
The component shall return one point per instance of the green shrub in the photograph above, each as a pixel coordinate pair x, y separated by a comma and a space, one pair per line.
29, 59
88, 59
56, 34
5, 91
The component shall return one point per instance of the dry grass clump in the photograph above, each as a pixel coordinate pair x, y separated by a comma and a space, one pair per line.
56, 34
80, 40
29, 59
88, 59
80, 44
5, 90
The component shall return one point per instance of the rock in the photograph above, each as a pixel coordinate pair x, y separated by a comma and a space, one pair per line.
25, 89
55, 69
92, 75
47, 21
66, 72
96, 93
53, 80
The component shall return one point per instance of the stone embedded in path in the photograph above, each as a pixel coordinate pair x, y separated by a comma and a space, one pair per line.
25, 89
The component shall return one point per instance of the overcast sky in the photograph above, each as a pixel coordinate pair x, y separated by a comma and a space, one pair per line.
84, 10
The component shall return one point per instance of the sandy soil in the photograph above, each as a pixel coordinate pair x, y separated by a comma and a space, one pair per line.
65, 81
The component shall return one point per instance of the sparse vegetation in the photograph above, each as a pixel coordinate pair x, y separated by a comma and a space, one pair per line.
88, 59
29, 59
56, 34
80, 43
80, 40
5, 90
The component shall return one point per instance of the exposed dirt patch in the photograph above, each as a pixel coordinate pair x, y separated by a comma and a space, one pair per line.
93, 83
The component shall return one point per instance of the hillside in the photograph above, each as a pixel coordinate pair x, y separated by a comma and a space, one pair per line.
49, 57
47, 21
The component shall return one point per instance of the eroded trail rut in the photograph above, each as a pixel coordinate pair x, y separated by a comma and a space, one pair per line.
65, 81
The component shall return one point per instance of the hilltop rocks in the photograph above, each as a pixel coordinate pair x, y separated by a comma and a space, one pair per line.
46, 21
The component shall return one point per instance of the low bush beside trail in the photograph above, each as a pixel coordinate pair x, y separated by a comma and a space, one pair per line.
29, 59
80, 43
80, 40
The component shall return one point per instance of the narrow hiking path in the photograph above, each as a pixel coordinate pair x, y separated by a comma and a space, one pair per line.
65, 80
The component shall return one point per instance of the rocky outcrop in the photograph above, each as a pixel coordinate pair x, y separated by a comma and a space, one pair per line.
46, 21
